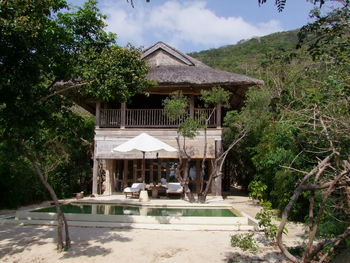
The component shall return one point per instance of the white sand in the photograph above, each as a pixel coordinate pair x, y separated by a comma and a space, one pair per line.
35, 244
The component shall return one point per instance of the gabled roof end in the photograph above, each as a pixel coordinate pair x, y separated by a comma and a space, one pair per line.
170, 51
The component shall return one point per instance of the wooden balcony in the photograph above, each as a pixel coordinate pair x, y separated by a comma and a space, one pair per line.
150, 118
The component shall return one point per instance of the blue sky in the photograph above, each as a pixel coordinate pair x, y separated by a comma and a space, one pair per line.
194, 25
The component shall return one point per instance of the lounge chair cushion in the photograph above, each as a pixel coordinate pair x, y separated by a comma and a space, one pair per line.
136, 187
174, 188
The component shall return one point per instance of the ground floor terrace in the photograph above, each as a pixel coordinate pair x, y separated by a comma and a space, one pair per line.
113, 170
114, 175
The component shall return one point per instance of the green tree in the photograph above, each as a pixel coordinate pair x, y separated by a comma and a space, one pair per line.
176, 106
46, 50
282, 3
300, 146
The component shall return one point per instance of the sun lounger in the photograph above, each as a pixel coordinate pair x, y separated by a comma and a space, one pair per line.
174, 188
134, 190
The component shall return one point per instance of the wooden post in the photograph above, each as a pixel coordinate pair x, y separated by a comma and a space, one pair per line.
143, 167
110, 182
114, 169
218, 115
95, 163
97, 113
159, 170
123, 113
192, 106
134, 170
94, 174
125, 176
151, 178
167, 171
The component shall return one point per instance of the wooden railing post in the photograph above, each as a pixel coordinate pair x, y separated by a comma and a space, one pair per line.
218, 115
122, 115
192, 106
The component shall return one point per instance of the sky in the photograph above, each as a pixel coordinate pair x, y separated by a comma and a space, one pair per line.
195, 25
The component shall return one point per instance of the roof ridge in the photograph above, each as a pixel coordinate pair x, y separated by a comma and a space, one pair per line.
171, 50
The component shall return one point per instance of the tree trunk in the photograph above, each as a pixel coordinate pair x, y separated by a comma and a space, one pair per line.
66, 230
204, 155
293, 200
61, 220
217, 167
187, 190
348, 196
183, 168
203, 196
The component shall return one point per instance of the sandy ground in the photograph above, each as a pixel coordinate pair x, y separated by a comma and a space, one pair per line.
30, 243
24, 244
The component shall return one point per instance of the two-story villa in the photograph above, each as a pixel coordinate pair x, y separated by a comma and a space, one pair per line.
119, 122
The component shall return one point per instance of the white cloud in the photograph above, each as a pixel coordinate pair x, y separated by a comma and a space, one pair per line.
186, 25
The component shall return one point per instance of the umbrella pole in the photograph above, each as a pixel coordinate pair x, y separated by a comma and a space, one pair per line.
143, 167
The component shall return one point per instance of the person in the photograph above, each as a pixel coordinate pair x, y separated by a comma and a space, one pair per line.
192, 175
163, 181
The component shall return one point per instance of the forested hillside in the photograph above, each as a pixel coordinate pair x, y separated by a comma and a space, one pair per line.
247, 56
295, 154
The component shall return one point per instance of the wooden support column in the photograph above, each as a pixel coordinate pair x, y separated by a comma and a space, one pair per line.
218, 115
151, 178
159, 171
109, 184
134, 170
95, 161
114, 170
98, 114
143, 167
167, 171
123, 115
94, 174
192, 106
125, 176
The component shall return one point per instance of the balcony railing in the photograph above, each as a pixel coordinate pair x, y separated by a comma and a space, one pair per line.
151, 118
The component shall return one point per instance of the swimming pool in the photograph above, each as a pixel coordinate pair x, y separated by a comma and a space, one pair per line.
134, 210
130, 214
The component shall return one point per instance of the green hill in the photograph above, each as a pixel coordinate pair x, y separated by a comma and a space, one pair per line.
247, 56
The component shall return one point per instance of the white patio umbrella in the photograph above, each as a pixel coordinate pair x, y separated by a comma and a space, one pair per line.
144, 143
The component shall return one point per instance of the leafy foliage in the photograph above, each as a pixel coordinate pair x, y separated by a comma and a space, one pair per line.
245, 242
47, 49
115, 73
214, 96
283, 119
280, 4
189, 128
175, 105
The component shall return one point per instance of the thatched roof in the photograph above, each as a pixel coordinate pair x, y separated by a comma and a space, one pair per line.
169, 66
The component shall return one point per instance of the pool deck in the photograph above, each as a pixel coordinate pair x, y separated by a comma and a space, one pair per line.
246, 207
119, 198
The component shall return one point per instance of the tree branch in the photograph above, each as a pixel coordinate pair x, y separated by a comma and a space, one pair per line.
61, 86
291, 203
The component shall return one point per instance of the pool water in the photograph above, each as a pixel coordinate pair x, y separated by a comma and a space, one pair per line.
105, 209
